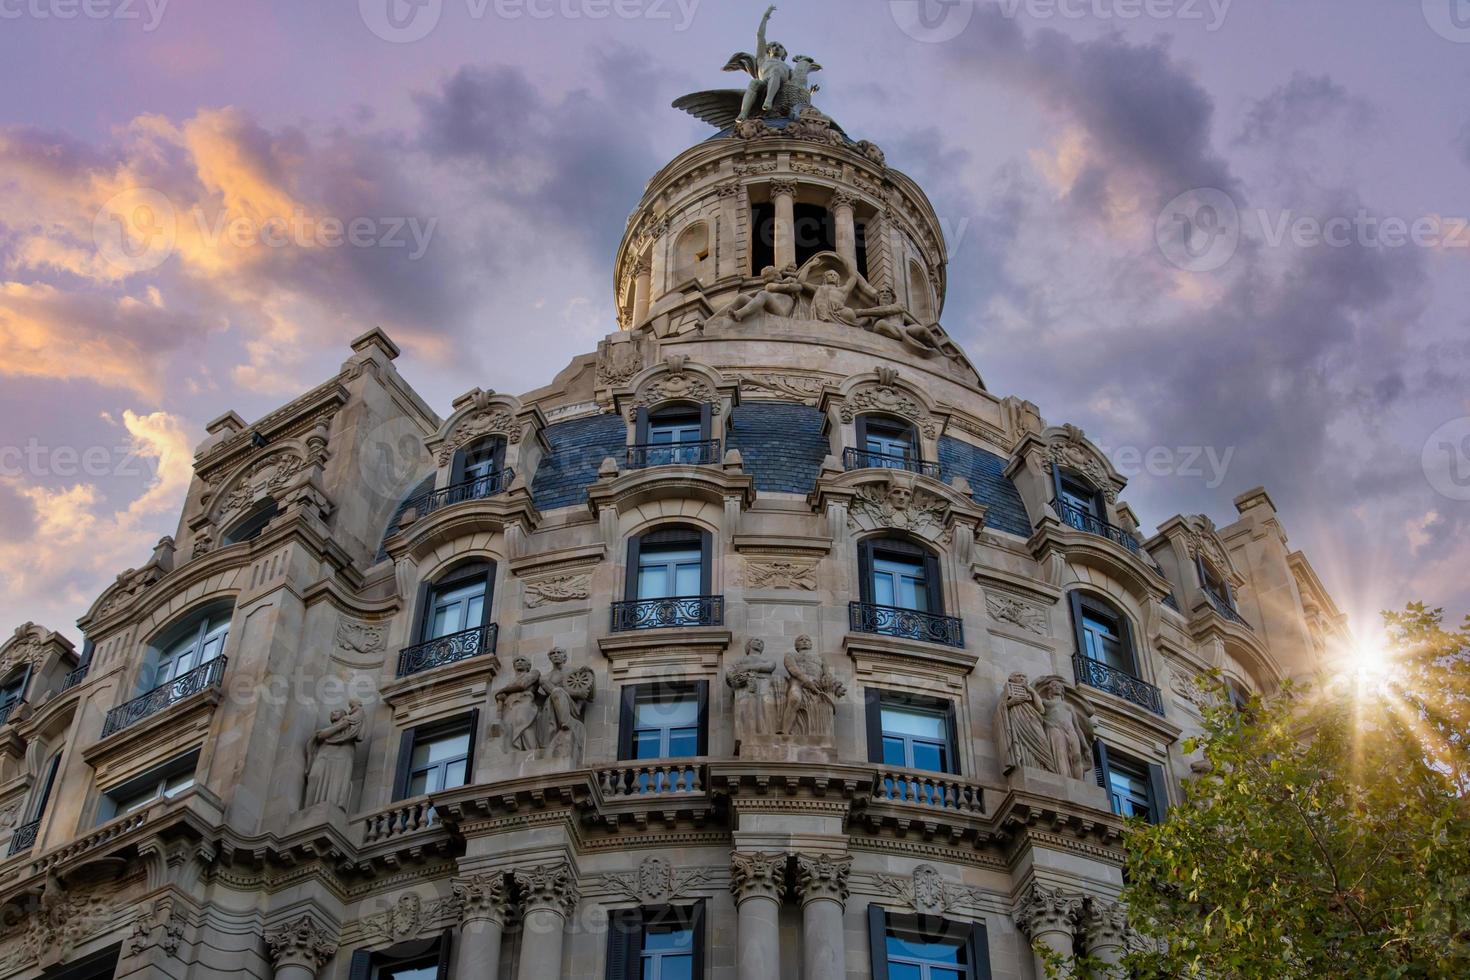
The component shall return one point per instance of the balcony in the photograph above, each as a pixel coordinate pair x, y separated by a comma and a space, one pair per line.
1077, 517
704, 453
859, 459
1095, 673
9, 708
652, 777
928, 789
448, 649
477, 489
201, 678
908, 624
1224, 607
75, 677
24, 838
677, 611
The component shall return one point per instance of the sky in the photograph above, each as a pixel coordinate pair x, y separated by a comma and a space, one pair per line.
1228, 239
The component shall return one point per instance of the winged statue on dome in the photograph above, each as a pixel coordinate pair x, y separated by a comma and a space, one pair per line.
778, 88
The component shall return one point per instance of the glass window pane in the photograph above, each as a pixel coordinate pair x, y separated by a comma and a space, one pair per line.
913, 721
418, 784
902, 971
656, 939
929, 757
683, 743
647, 744
666, 712
454, 775
689, 579
676, 968
435, 750
893, 754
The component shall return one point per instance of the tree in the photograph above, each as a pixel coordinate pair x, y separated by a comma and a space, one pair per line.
1328, 834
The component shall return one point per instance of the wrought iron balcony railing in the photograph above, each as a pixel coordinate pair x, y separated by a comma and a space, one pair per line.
201, 678
1082, 520
704, 453
476, 489
9, 708
910, 624
861, 459
647, 614
1095, 673
24, 838
448, 649
75, 677
1225, 607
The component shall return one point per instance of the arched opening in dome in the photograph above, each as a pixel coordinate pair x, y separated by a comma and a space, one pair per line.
921, 298
692, 257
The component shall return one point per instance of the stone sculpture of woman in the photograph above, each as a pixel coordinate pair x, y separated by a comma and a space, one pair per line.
518, 707
750, 680
1068, 727
564, 694
329, 758
1021, 728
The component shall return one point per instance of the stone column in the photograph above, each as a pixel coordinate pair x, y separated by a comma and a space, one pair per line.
783, 195
642, 290
300, 948
548, 896
1105, 934
483, 902
846, 231
1048, 918
757, 881
821, 881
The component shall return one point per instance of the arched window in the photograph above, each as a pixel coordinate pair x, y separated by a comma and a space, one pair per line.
190, 645
676, 434
669, 580
478, 468
1217, 588
453, 618
902, 594
1078, 502
13, 688
921, 298
888, 442
251, 526
692, 254
1104, 635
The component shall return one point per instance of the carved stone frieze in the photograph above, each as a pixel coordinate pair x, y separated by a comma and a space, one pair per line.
895, 501
617, 363
781, 573
677, 383
891, 400
408, 917
1009, 609
54, 927
355, 637
268, 476
802, 387
558, 588
656, 882
926, 891
487, 421
1071, 451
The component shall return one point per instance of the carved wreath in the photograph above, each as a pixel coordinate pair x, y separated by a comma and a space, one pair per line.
892, 401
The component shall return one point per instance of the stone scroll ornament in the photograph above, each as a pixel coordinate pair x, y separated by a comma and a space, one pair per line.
542, 713
330, 754
1047, 725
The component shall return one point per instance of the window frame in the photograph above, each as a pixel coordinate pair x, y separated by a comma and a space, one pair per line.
934, 581
110, 806
893, 424
253, 524
455, 577
460, 465
411, 737
1081, 603
668, 534
876, 698
36, 807
204, 625
368, 964
627, 714
881, 922
24, 672
1061, 476
626, 929
1104, 760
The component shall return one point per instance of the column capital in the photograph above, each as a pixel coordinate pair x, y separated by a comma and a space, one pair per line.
547, 886
782, 185
1104, 924
757, 875
482, 896
303, 942
822, 876
1045, 910
843, 199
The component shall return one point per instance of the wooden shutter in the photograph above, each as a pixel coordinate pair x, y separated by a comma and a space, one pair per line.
640, 427
878, 941
456, 468
446, 945
1100, 765
933, 583
630, 589
469, 762
951, 727
706, 421
873, 706
865, 570
624, 943
362, 965
696, 926
625, 722
405, 759
706, 563
421, 611
1125, 633
485, 619
977, 952
39, 809
701, 697
1158, 794
1056, 488
862, 435
1074, 600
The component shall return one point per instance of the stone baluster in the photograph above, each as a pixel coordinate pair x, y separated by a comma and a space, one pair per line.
300, 948
783, 195
484, 900
846, 231
1105, 934
1048, 918
757, 881
548, 897
821, 881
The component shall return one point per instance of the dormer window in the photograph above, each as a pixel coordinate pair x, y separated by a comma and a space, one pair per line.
251, 527
677, 435
1079, 501
478, 468
13, 690
1103, 635
886, 442
1215, 585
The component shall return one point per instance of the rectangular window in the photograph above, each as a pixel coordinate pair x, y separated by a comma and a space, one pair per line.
436, 757
456, 609
162, 783
669, 571
414, 960
911, 732
663, 943
1135, 789
909, 947
664, 721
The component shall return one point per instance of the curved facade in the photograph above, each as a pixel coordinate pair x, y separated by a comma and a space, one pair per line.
764, 641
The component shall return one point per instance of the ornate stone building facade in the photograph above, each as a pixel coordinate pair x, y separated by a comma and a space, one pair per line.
764, 641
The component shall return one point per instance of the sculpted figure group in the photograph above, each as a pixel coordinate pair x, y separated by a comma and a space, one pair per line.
1046, 725
544, 711
801, 706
